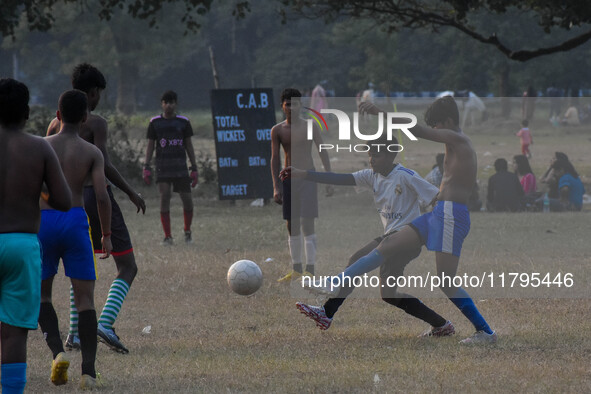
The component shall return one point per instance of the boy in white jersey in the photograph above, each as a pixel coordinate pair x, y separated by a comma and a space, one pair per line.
398, 194
442, 230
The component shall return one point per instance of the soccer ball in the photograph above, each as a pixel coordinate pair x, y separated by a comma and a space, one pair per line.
245, 277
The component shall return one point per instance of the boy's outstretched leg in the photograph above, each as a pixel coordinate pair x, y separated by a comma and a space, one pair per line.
324, 314
390, 271
447, 264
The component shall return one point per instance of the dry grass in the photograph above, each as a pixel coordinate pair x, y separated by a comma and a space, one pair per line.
206, 339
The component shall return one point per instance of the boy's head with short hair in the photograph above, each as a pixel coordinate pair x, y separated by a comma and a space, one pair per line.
442, 110
14, 102
288, 93
524, 123
86, 77
72, 106
380, 158
290, 108
169, 96
501, 165
168, 102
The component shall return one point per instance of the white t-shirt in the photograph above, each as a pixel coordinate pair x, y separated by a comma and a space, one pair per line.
397, 196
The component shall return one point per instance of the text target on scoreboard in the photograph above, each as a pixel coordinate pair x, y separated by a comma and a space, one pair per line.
242, 122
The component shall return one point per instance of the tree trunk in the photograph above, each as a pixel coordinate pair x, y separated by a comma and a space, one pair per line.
128, 68
126, 89
504, 91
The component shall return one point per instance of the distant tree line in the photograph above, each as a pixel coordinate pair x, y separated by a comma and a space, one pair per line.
148, 46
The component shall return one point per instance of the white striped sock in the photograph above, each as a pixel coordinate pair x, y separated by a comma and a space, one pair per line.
117, 294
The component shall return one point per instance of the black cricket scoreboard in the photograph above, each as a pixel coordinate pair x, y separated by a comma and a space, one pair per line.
242, 122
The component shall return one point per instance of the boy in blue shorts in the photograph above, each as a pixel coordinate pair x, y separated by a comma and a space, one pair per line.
66, 236
91, 81
443, 230
398, 194
26, 162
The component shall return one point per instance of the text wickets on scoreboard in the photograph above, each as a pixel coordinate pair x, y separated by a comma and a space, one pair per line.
242, 122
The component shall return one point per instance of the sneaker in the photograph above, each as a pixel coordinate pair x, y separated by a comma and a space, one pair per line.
321, 287
87, 382
108, 337
291, 275
315, 313
445, 330
167, 241
72, 342
480, 337
188, 239
59, 369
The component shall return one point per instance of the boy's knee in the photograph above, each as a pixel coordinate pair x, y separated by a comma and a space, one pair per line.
126, 263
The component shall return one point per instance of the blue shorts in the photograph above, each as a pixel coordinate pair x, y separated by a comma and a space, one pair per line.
66, 235
300, 198
445, 228
20, 279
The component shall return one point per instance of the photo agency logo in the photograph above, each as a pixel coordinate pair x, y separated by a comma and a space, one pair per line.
386, 122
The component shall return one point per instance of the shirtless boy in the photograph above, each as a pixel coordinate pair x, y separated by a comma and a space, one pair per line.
298, 197
20, 253
65, 236
92, 82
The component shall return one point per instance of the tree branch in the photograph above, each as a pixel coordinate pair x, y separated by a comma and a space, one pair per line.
414, 14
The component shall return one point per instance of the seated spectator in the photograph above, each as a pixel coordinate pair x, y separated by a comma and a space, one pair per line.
550, 178
504, 190
436, 174
570, 187
523, 171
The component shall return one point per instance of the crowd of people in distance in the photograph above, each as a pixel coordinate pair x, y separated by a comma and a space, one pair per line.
518, 191
559, 189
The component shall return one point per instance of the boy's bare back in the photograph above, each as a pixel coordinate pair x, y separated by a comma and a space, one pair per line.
94, 124
81, 162
26, 162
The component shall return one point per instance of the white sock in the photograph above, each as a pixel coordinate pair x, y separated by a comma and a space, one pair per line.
310, 246
295, 248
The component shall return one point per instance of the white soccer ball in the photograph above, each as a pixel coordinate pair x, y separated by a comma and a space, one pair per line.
245, 277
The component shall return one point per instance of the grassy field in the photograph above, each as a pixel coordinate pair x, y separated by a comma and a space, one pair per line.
204, 338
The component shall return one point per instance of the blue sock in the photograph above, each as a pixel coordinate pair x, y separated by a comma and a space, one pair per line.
465, 304
364, 265
14, 378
